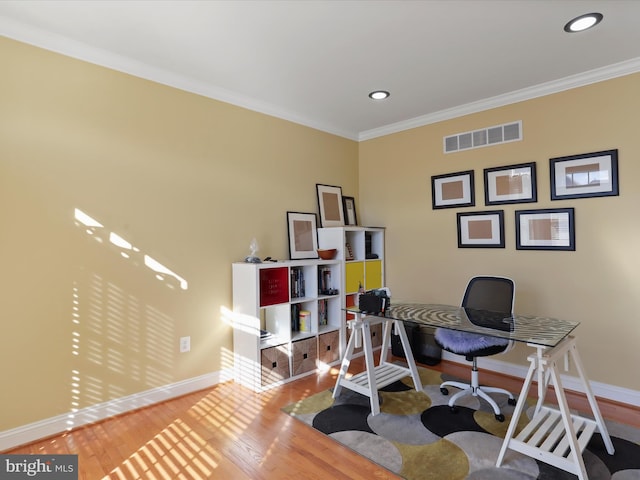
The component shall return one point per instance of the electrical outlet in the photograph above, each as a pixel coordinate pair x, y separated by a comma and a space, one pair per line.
185, 344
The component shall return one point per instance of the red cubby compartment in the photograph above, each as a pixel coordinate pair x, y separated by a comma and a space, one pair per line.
274, 286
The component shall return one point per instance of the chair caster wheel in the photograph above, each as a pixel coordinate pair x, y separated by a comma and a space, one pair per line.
500, 417
512, 401
453, 409
444, 391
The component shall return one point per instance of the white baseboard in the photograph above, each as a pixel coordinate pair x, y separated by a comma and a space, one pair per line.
601, 390
60, 423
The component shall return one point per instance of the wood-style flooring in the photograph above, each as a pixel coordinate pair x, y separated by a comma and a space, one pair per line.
229, 432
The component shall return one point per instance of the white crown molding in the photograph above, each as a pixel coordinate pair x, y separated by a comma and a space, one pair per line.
71, 48
59, 44
55, 425
593, 76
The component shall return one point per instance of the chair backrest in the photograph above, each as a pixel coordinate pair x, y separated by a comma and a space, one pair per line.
490, 293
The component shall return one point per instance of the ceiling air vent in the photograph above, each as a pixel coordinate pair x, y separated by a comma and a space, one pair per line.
509, 132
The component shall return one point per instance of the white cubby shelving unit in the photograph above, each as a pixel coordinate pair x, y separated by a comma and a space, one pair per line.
361, 256
287, 320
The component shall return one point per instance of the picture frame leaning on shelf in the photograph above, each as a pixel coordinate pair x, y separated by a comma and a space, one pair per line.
330, 205
350, 217
303, 235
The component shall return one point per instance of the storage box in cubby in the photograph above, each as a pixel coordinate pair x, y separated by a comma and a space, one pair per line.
305, 355
274, 363
329, 347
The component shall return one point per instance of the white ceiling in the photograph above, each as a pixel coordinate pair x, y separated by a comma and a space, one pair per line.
314, 62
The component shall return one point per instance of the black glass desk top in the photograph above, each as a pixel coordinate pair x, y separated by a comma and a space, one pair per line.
543, 331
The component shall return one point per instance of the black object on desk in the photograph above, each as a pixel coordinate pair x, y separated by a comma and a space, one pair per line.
375, 302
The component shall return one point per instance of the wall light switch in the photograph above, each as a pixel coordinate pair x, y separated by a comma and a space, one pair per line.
185, 344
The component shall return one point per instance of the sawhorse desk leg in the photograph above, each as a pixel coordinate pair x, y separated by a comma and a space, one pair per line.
375, 377
555, 437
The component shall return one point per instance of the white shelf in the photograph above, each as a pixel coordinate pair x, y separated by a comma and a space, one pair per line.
384, 375
264, 300
545, 438
263, 296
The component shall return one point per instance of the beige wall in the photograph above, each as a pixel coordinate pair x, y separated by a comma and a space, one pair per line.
190, 181
187, 180
597, 285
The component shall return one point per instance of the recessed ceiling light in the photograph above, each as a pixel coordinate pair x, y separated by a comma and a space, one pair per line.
379, 94
583, 22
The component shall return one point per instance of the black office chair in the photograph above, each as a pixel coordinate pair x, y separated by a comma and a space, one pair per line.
483, 294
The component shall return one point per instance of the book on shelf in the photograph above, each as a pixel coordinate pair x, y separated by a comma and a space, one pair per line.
297, 283
295, 317
322, 312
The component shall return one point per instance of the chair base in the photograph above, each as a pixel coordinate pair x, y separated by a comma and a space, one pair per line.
477, 391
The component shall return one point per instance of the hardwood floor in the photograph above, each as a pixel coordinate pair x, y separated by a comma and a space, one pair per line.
229, 432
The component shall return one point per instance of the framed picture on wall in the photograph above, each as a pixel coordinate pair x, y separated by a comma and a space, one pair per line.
551, 229
303, 235
452, 190
586, 175
330, 205
510, 184
481, 229
349, 204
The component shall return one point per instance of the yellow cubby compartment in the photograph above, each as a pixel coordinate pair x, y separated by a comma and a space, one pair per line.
354, 276
373, 274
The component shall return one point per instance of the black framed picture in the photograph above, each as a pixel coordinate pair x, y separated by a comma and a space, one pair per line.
510, 184
453, 190
481, 229
586, 175
330, 205
547, 229
303, 235
349, 205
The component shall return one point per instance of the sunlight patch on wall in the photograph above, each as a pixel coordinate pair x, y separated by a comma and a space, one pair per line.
127, 250
120, 340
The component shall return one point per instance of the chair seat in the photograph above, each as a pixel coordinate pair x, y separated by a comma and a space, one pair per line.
469, 344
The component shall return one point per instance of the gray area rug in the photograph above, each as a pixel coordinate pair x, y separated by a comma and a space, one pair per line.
417, 437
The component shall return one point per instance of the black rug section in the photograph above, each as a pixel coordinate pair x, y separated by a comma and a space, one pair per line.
548, 472
627, 456
441, 421
341, 418
397, 386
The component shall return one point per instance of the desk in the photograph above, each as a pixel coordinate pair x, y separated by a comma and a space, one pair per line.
553, 436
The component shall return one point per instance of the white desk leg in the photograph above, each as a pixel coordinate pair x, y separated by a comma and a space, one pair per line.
592, 401
543, 378
522, 401
386, 340
346, 360
408, 354
545, 361
567, 421
371, 371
